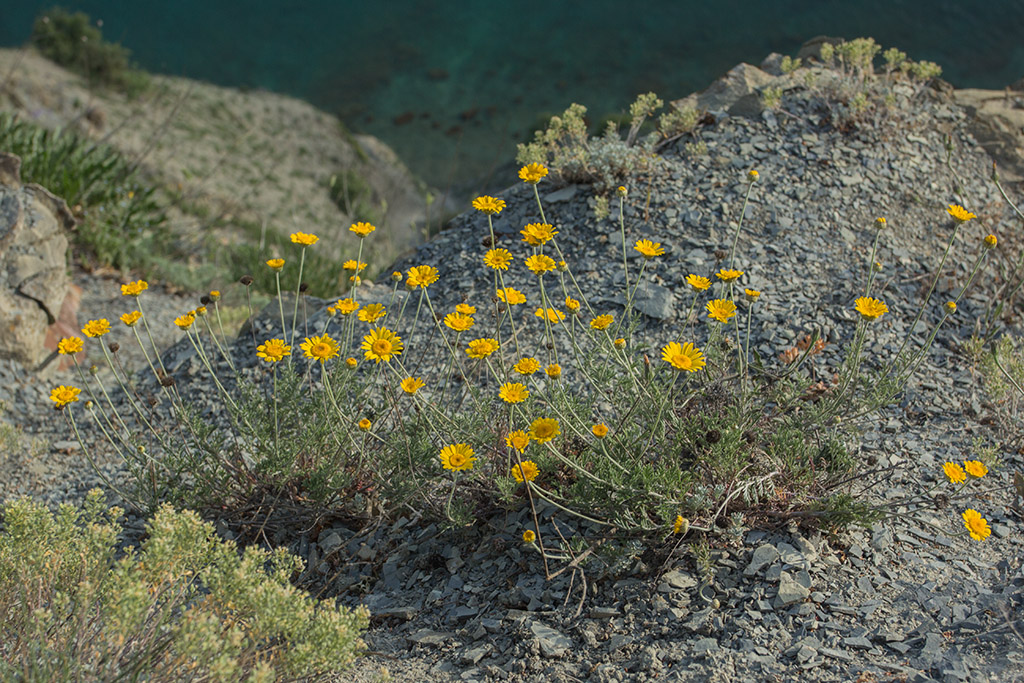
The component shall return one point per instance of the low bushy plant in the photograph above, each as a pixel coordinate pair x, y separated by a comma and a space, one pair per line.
184, 606
72, 41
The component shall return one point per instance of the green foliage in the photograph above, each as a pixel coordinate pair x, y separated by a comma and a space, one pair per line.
71, 41
119, 210
185, 606
353, 195
678, 121
789, 65
771, 97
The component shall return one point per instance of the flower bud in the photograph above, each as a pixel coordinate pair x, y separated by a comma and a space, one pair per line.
215, 295
620, 343
950, 307
753, 175
396, 276
621, 191
991, 241
246, 280
114, 347
93, 370
880, 223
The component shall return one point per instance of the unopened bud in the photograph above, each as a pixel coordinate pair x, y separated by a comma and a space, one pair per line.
246, 280
114, 347
991, 241
950, 307
303, 288
93, 370
167, 381
753, 175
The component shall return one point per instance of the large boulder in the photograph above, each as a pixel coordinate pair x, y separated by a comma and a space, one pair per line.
33, 263
739, 89
997, 123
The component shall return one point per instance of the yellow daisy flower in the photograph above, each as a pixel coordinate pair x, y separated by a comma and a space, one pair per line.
870, 309
351, 362
602, 321
954, 473
130, 319
752, 295
526, 366
276, 263
976, 525
96, 328
352, 264
975, 468
411, 385
346, 306
513, 392
554, 371
728, 275
553, 316
489, 205
372, 312
457, 457
681, 525
600, 430
991, 241
458, 321
322, 348
532, 173
365, 424
362, 229
698, 282
273, 350
572, 304
498, 259
518, 440
511, 296
421, 276
721, 310
63, 395
134, 288
544, 429
304, 238
465, 309
70, 345
536, 234
525, 471
481, 348
185, 321
381, 344
686, 357
649, 249
540, 264
529, 537
960, 213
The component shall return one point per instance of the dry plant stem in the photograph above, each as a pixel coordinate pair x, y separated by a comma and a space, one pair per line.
298, 291
280, 306
871, 263
553, 351
74, 427
220, 326
220, 349
622, 231
149, 334
927, 298
743, 213
88, 387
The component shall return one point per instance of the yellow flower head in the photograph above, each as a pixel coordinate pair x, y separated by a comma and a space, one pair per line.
215, 295
954, 473
600, 430
752, 295
976, 525
481, 348
544, 429
130, 319
553, 315
511, 296
562, 266
304, 238
529, 537
371, 312
352, 264
518, 440
351, 363
411, 385
457, 457
881, 223
322, 348
554, 371
870, 309
991, 241
525, 471
465, 309
620, 343
63, 395
681, 525
362, 229
96, 328
421, 276
365, 424
346, 306
621, 190
975, 468
728, 275
200, 311
273, 350
960, 213
648, 248
532, 173
459, 322
721, 310
396, 276
276, 263
498, 259
686, 357
355, 279
134, 288
602, 321
185, 321
698, 282
489, 205
950, 307
752, 176
381, 344
513, 392
540, 264
536, 234
526, 366
70, 345
572, 304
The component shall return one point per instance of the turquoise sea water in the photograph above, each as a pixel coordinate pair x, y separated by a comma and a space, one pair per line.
454, 85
